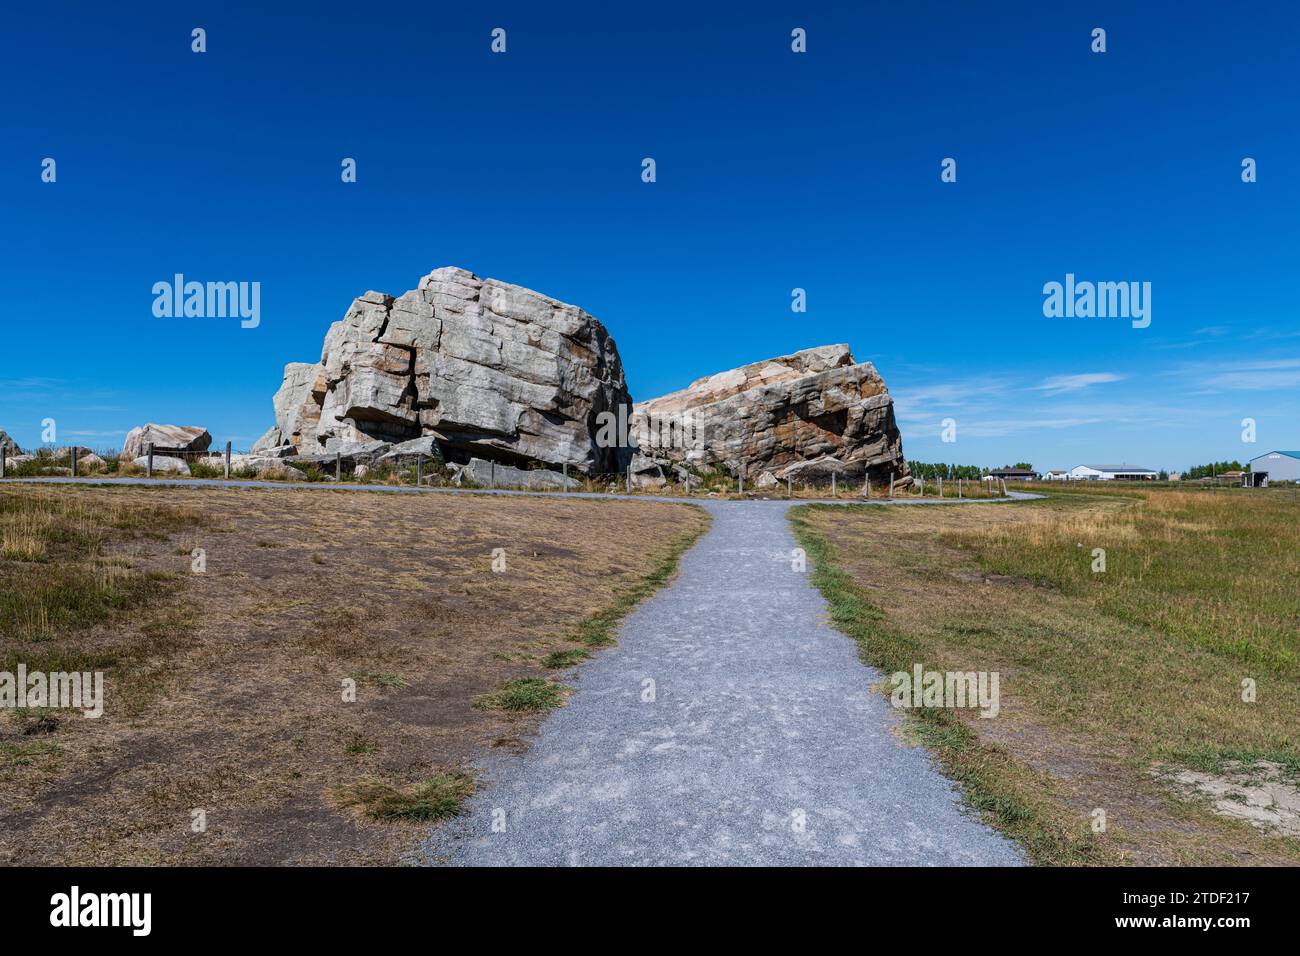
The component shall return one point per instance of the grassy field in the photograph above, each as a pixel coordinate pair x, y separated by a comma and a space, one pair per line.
1121, 687
454, 617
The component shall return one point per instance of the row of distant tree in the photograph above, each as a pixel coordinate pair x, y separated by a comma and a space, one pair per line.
922, 469
1213, 468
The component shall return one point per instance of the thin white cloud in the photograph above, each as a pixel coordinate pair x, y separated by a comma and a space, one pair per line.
1060, 384
1245, 376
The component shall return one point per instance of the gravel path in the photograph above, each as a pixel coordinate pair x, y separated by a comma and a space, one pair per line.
762, 743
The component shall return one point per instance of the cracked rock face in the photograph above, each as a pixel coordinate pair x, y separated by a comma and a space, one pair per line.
488, 369
815, 407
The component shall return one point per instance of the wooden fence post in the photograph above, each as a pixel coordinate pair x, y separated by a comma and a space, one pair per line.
419, 469
72, 459
227, 461
493, 480
148, 465
564, 483
891, 484
789, 486
834, 493
959, 487
4, 450
338, 466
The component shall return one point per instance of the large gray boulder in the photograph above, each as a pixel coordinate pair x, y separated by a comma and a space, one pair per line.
487, 369
167, 439
803, 415
487, 474
8, 444
163, 463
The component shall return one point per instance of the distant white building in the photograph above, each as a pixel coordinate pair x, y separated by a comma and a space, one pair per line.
1112, 473
1057, 474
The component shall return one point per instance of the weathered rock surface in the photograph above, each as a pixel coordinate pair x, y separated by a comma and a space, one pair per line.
488, 369
163, 463
8, 444
815, 469
408, 452
487, 474
276, 451
87, 462
165, 438
817, 405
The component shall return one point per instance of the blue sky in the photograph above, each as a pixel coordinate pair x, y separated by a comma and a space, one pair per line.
775, 170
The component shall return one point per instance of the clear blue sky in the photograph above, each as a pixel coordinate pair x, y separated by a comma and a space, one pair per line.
775, 171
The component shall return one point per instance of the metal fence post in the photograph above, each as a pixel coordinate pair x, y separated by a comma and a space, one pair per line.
148, 464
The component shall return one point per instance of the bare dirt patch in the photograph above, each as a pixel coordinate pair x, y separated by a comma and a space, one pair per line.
1259, 793
225, 688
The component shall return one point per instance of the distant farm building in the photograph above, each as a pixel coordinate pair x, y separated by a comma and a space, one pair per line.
1275, 466
1058, 474
1112, 473
1015, 474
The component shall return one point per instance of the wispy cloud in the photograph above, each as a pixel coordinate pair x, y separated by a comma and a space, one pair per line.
999, 427
1060, 384
1246, 376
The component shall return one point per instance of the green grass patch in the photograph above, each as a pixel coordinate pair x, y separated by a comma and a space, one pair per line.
379, 680
441, 796
527, 693
558, 659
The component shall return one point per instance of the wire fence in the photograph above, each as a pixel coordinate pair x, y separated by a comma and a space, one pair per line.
663, 479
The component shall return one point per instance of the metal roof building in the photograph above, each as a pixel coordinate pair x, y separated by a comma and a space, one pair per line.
1275, 466
1112, 473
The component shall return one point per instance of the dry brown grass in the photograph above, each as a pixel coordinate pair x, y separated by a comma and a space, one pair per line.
224, 689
